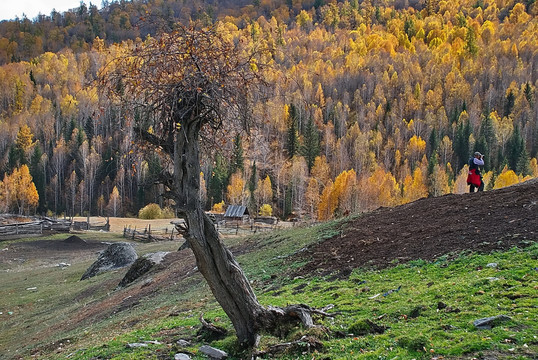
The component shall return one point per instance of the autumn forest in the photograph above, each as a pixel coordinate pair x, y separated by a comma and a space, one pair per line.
367, 104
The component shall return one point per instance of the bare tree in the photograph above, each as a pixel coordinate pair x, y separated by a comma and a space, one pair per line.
180, 88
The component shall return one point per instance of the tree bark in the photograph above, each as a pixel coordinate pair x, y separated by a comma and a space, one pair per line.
216, 263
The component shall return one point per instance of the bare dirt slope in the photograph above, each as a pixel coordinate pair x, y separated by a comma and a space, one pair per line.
432, 227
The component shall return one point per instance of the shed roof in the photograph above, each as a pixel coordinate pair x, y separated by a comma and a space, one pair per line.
236, 211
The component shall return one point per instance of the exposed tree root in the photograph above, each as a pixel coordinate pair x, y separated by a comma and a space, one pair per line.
306, 343
209, 331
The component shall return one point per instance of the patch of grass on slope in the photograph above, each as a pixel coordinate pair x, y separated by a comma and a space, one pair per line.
271, 251
426, 310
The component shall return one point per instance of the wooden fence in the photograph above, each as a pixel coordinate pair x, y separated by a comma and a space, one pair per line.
148, 236
85, 225
239, 228
35, 227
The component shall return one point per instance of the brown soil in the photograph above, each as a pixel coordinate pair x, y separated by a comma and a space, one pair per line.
429, 228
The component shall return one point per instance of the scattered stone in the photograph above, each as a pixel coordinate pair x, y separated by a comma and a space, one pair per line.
183, 343
31, 288
154, 342
492, 265
181, 356
490, 322
141, 266
493, 278
392, 290
116, 256
213, 353
136, 345
63, 265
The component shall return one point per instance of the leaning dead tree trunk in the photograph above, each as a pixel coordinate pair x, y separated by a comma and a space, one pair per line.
216, 263
226, 280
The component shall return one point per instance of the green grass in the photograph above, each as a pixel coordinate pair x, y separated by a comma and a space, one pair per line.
429, 312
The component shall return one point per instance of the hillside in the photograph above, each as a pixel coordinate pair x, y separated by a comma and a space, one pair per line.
430, 228
80, 313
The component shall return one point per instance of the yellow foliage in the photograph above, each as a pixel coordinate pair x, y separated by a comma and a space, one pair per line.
414, 186
69, 105
24, 138
18, 191
218, 208
327, 204
266, 210
506, 178
264, 191
236, 189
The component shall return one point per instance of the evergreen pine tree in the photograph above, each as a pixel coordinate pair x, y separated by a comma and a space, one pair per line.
311, 147
487, 142
433, 140
529, 94
509, 103
514, 148
293, 133
237, 162
522, 166
471, 46
461, 143
252, 184
218, 180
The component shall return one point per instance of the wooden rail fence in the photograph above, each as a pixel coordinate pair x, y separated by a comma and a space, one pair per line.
35, 227
148, 236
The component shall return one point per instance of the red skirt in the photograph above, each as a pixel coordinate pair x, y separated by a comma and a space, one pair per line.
473, 178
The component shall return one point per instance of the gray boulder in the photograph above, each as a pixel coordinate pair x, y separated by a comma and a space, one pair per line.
116, 256
182, 356
141, 266
213, 353
490, 322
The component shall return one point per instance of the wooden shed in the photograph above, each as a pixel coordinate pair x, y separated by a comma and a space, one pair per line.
236, 213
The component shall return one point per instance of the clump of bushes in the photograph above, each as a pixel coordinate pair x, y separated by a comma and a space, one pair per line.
266, 210
218, 208
153, 211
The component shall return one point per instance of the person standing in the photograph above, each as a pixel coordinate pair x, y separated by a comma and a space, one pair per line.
474, 179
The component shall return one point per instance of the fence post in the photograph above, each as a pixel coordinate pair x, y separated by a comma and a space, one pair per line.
16, 229
237, 229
